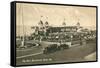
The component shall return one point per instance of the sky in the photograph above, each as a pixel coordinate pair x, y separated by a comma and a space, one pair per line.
30, 15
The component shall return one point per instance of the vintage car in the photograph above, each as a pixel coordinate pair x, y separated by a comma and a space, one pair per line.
63, 46
54, 47
50, 48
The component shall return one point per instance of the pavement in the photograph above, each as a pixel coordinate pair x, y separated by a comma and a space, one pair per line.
91, 56
74, 54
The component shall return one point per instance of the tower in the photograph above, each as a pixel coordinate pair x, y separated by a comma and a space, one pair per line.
41, 24
64, 23
78, 27
78, 24
46, 23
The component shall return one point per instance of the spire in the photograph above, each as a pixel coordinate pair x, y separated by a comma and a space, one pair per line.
78, 23
40, 22
64, 23
46, 23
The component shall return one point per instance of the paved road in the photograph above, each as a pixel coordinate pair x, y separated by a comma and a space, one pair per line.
28, 51
69, 55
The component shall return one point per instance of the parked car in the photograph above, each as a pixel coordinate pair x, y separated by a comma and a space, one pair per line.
54, 47
63, 46
50, 48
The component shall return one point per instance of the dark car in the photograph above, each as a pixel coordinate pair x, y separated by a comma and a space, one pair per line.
63, 46
51, 48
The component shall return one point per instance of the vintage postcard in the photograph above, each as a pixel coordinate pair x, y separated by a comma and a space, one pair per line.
52, 33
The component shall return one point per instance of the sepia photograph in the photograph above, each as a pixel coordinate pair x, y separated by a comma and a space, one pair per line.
51, 33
